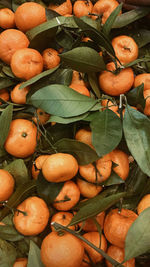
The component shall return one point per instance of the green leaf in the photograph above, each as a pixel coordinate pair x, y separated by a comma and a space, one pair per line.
65, 39
61, 101
57, 119
34, 258
22, 192
135, 96
38, 77
92, 78
5, 120
136, 128
100, 38
47, 190
7, 254
139, 60
138, 237
141, 37
19, 171
83, 59
106, 131
9, 233
95, 206
111, 19
113, 179
129, 17
6, 82
81, 151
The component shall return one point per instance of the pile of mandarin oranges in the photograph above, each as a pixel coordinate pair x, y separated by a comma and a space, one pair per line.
34, 217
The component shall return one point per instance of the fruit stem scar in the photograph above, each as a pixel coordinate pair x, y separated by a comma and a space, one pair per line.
24, 134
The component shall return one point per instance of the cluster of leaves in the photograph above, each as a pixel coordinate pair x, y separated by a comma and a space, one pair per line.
50, 91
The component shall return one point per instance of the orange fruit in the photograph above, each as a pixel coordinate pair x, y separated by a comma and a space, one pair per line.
62, 9
22, 138
117, 224
125, 48
41, 117
63, 250
59, 167
87, 189
103, 166
106, 103
10, 41
18, 96
82, 8
50, 58
63, 218
4, 95
37, 165
121, 159
68, 196
26, 63
142, 78
7, 184
82, 89
118, 254
86, 261
144, 203
116, 84
98, 241
85, 136
35, 217
89, 225
29, 15
77, 78
104, 8
147, 103
21, 262
7, 18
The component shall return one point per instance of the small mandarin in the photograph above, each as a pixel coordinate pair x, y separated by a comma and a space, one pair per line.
41, 116
68, 196
21, 262
85, 136
7, 184
142, 78
89, 225
18, 96
37, 165
64, 250
121, 159
4, 95
7, 18
29, 15
118, 254
26, 63
144, 203
59, 167
63, 218
88, 190
82, 89
62, 9
51, 58
32, 217
82, 8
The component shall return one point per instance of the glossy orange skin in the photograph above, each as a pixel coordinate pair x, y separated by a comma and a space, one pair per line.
143, 204
36, 167
104, 8
4, 95
18, 96
36, 218
89, 226
117, 224
63, 9
142, 78
85, 136
118, 254
82, 8
50, 58
26, 63
82, 89
7, 18
21, 262
121, 159
116, 84
41, 116
88, 190
77, 78
61, 250
146, 94
94, 238
103, 165
63, 218
22, 138
29, 15
10, 41
125, 48
106, 103
7, 184
59, 167
69, 191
